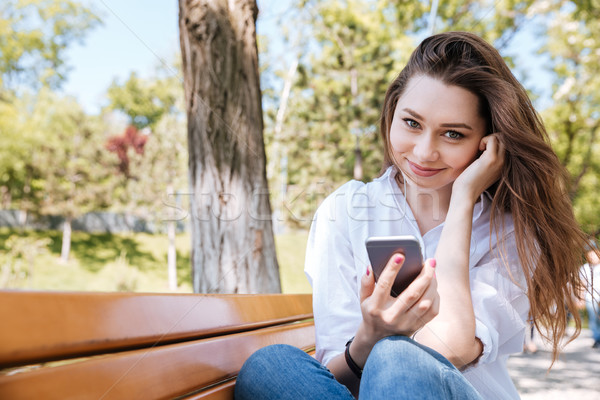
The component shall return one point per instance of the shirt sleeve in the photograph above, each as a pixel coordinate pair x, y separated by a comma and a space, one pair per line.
330, 268
500, 302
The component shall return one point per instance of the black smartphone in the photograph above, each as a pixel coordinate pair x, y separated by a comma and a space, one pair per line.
381, 248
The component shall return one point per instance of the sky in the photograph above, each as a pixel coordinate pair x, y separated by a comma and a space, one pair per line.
139, 35
136, 35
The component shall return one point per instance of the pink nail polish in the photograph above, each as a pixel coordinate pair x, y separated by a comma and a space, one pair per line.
368, 272
398, 259
432, 262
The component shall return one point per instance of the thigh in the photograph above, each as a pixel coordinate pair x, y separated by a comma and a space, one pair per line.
286, 372
400, 368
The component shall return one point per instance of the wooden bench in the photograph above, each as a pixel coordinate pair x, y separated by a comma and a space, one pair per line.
56, 345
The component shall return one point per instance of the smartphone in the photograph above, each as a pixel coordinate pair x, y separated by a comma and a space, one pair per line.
380, 249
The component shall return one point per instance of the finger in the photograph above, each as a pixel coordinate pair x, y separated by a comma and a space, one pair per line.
387, 277
415, 291
493, 152
367, 284
488, 142
428, 305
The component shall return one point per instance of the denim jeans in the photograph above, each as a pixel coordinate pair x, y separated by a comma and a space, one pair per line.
593, 310
397, 368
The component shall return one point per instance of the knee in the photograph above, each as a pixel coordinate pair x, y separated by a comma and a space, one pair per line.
390, 351
401, 353
262, 362
260, 370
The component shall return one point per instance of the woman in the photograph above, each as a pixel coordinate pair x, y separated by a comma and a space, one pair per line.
468, 171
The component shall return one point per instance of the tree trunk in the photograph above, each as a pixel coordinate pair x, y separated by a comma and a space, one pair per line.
233, 249
66, 241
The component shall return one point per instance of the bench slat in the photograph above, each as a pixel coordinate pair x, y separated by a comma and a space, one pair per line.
223, 391
161, 372
46, 326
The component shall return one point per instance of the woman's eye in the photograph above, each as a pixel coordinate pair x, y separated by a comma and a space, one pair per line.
411, 123
454, 135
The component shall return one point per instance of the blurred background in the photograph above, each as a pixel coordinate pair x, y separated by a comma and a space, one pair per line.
94, 186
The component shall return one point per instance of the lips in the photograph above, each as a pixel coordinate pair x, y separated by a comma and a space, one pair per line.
423, 171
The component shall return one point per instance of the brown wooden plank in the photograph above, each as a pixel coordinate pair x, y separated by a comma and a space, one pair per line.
45, 326
223, 391
162, 372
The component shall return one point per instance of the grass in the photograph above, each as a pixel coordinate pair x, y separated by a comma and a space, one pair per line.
126, 262
290, 255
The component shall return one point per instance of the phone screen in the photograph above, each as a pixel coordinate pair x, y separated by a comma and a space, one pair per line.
381, 248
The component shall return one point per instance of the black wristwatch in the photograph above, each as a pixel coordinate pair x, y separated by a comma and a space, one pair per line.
351, 364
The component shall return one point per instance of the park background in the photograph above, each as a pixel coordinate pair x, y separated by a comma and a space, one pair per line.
94, 184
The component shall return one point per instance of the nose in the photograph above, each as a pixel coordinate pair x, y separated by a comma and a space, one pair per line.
425, 148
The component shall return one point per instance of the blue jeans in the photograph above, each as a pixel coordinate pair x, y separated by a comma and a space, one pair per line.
593, 317
397, 368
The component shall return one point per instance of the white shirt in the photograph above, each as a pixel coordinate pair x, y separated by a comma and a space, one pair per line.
591, 274
336, 259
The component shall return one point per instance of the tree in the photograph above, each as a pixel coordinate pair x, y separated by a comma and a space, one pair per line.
143, 101
573, 121
233, 247
74, 173
34, 35
152, 150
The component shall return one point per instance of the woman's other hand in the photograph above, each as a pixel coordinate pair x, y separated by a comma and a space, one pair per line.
482, 172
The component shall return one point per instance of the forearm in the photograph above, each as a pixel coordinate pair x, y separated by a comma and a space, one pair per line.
360, 348
452, 332
343, 374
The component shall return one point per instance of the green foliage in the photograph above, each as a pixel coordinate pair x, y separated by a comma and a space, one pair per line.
155, 106
573, 120
34, 35
73, 168
144, 101
15, 148
17, 264
495, 21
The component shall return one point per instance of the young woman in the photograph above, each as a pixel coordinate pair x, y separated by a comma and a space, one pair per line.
469, 172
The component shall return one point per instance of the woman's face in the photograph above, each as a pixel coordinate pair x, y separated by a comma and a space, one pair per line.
435, 132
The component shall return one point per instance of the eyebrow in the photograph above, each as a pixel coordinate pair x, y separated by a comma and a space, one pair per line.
446, 125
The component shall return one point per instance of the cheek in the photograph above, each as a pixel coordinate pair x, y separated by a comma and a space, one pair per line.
460, 160
398, 141
398, 146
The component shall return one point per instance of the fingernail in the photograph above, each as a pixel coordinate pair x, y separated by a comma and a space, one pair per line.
398, 259
368, 272
432, 262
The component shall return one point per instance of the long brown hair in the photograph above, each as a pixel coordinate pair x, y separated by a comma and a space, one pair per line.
533, 186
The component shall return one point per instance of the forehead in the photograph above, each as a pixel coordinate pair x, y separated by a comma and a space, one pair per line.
434, 99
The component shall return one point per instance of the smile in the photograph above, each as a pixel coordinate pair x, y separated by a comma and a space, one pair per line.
422, 171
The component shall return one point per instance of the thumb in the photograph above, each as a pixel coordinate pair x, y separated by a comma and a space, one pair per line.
367, 284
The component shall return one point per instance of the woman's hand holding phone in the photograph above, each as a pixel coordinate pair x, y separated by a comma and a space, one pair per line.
402, 315
384, 315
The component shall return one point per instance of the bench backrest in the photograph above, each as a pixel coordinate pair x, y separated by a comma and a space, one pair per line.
124, 345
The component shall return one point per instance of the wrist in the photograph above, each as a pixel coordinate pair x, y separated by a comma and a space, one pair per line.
461, 203
464, 195
362, 343
354, 367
